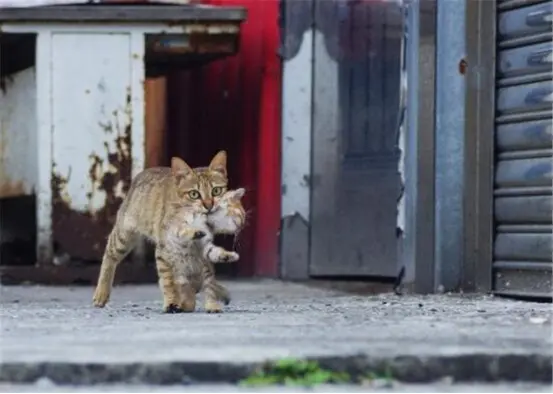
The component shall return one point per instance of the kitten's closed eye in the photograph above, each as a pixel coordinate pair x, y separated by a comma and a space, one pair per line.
198, 235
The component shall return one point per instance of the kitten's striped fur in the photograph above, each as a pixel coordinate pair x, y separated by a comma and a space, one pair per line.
190, 237
155, 196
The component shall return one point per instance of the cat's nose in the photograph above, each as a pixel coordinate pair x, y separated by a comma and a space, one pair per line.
208, 204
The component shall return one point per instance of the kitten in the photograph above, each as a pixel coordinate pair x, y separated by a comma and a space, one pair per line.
154, 196
190, 241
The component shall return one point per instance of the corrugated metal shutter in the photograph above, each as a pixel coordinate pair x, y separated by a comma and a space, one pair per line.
523, 150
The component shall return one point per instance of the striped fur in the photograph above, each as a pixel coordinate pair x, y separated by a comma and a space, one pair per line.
193, 264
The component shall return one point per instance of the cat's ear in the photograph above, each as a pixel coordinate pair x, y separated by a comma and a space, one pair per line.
179, 167
238, 193
219, 163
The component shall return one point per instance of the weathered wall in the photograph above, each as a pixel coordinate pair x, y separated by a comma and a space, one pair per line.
18, 140
18, 167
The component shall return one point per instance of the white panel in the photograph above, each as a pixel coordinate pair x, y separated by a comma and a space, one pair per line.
296, 130
44, 151
18, 135
91, 115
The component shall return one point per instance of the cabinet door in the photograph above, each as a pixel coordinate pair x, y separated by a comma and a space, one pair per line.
91, 138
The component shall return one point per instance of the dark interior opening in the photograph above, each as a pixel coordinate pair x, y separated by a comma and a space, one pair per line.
17, 199
17, 230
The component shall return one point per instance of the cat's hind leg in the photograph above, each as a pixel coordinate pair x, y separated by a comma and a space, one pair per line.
120, 243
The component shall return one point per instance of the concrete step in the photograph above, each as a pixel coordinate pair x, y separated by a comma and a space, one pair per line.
45, 386
55, 333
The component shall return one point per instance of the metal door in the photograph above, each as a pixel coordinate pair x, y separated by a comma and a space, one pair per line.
355, 181
522, 250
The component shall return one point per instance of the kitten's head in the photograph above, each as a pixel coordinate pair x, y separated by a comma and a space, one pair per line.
203, 187
228, 216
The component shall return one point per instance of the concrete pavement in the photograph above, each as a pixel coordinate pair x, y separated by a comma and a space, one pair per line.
54, 332
436, 387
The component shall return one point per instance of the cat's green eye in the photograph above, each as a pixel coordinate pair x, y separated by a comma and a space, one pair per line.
194, 194
216, 191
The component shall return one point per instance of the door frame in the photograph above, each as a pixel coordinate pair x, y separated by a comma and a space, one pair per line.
418, 242
479, 143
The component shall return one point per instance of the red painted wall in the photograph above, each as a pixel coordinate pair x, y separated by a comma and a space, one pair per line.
234, 104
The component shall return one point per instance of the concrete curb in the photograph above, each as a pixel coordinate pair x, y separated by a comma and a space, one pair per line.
463, 368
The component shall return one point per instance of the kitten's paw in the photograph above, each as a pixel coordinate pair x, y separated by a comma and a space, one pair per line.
172, 308
100, 298
230, 257
212, 307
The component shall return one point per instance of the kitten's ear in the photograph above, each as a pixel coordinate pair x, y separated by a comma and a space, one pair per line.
219, 163
238, 193
179, 167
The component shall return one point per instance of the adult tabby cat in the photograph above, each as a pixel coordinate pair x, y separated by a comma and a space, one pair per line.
155, 195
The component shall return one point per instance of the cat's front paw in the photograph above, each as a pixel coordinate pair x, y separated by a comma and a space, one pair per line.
101, 297
172, 308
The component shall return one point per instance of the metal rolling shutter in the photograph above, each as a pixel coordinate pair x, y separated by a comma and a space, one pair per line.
523, 149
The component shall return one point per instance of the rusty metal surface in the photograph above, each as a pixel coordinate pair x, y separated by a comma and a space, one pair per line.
83, 233
92, 160
224, 42
123, 13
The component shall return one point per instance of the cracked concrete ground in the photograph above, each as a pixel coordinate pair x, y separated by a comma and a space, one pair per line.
55, 332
